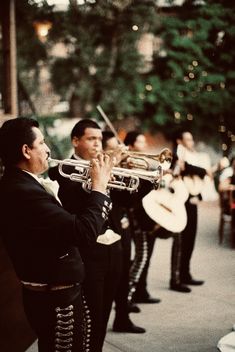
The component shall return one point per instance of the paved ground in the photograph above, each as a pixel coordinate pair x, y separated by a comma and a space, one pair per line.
191, 322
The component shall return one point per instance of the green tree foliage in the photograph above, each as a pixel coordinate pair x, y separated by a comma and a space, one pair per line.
192, 79
102, 65
30, 50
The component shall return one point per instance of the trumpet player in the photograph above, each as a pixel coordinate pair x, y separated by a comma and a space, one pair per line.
102, 259
122, 321
44, 240
184, 142
141, 227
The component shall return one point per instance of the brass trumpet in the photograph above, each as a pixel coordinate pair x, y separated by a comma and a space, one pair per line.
122, 178
150, 162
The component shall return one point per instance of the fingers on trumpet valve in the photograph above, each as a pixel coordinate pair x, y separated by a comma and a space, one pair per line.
109, 161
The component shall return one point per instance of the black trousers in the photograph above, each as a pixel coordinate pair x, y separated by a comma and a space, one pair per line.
176, 253
58, 319
144, 242
103, 270
188, 240
121, 298
148, 240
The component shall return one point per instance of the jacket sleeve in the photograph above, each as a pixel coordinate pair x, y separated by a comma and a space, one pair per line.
43, 216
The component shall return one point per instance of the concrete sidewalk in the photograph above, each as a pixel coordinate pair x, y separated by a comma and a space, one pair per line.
185, 322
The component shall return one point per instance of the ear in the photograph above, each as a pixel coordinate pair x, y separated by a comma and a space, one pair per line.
26, 151
75, 141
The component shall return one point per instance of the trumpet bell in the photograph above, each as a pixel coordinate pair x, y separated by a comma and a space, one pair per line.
150, 162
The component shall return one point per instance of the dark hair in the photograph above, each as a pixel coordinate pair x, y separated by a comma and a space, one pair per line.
13, 135
178, 134
79, 129
106, 136
131, 137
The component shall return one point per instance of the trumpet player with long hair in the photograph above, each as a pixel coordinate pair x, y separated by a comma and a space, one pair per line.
102, 259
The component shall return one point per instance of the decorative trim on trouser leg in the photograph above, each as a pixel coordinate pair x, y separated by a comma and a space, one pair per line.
140, 259
86, 326
64, 329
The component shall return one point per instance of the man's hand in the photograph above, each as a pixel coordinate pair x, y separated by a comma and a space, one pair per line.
100, 172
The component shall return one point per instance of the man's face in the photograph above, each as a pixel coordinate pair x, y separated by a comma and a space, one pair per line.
89, 145
187, 140
38, 154
140, 144
112, 144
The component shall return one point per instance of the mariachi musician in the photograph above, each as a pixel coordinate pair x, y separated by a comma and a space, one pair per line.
166, 207
122, 321
185, 154
141, 228
44, 241
142, 231
102, 259
174, 209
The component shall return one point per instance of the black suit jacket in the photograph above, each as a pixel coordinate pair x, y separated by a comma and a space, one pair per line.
41, 237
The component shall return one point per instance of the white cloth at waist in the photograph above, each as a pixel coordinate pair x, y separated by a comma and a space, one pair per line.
109, 237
